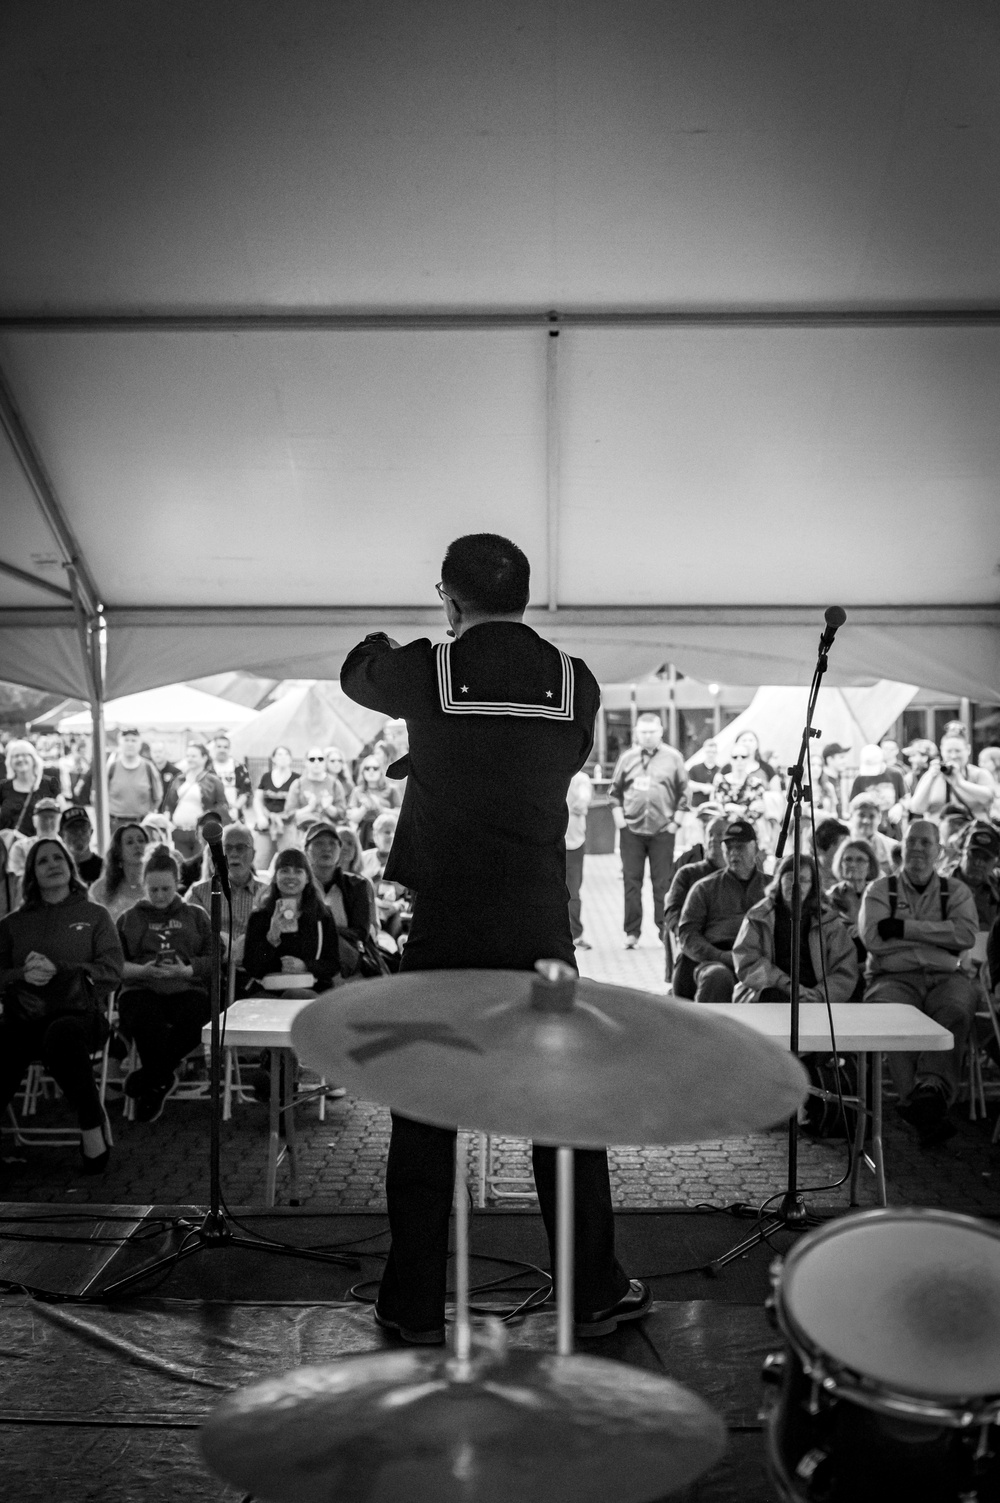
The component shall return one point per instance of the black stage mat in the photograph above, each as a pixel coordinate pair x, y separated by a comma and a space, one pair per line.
102, 1402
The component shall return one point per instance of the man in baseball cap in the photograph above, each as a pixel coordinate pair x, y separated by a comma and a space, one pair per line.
77, 833
46, 816
978, 869
715, 908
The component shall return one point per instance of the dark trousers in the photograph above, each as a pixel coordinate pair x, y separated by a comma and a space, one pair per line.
635, 849
420, 1170
164, 1026
574, 882
64, 1046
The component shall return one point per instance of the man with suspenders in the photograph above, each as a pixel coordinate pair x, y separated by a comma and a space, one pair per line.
499, 721
915, 926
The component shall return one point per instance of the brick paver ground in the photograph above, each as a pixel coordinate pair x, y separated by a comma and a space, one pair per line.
342, 1159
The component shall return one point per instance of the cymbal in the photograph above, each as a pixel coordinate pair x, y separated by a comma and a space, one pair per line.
421, 1427
564, 1061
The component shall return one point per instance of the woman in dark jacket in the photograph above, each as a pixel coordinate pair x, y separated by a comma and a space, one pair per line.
164, 1004
350, 899
762, 951
293, 932
59, 959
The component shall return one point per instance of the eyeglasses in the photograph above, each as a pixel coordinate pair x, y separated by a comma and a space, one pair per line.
442, 591
315, 759
371, 767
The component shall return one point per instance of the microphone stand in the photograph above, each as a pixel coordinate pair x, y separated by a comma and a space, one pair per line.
214, 1231
792, 1212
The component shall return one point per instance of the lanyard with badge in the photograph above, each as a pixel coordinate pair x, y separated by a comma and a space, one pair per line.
642, 782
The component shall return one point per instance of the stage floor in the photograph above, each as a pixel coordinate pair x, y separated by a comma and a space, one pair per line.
102, 1402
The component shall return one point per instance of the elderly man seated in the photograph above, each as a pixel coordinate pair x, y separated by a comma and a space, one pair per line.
248, 890
915, 925
715, 908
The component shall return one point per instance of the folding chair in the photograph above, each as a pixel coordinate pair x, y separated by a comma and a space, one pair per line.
40, 1086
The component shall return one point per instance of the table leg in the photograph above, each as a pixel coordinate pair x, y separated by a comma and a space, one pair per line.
861, 1125
274, 1139
877, 1127
289, 1083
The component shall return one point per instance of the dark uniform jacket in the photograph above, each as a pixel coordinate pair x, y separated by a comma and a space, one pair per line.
499, 721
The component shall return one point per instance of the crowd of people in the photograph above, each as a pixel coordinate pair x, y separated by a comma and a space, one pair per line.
117, 950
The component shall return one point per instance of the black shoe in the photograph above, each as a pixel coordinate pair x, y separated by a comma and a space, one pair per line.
137, 1082
433, 1337
98, 1162
632, 1306
926, 1109
149, 1106
260, 1084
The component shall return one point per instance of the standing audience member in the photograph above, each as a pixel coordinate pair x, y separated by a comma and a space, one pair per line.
762, 952
714, 910
680, 967
270, 806
234, 776
830, 836
198, 791
59, 959
10, 882
743, 785
77, 832
374, 795
77, 775
950, 779
248, 891
578, 799
917, 757
120, 886
915, 925
854, 867
26, 782
989, 761
134, 785
648, 794
45, 817
164, 1002
169, 771
702, 773
313, 797
292, 932
336, 766
828, 792
886, 784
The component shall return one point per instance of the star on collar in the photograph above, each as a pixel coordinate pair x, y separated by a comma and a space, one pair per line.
548, 694
465, 688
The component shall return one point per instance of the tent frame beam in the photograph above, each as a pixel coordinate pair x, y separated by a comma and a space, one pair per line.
32, 579
326, 320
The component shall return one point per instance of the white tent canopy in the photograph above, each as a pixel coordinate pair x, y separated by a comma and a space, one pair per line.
176, 707
310, 714
699, 303
852, 717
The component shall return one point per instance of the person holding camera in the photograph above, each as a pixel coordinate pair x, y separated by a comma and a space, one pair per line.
293, 932
951, 779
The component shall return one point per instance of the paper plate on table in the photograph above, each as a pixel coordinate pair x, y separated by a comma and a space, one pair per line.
289, 981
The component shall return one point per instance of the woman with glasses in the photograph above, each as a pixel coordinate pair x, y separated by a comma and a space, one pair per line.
373, 795
742, 787
270, 807
313, 797
26, 782
854, 866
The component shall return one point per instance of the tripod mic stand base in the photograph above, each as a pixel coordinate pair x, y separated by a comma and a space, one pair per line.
792, 1212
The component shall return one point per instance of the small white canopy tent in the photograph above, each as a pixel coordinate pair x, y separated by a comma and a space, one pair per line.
310, 714
700, 303
852, 717
175, 707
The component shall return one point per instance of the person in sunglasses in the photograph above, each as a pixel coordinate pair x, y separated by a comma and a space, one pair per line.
316, 796
373, 795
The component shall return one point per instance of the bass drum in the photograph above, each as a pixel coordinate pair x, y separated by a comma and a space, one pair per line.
890, 1380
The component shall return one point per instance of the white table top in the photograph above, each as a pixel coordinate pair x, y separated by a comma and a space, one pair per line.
261, 1022
859, 1025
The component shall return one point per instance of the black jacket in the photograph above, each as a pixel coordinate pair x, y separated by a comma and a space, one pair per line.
499, 721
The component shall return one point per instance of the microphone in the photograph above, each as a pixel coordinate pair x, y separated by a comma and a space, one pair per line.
211, 834
835, 616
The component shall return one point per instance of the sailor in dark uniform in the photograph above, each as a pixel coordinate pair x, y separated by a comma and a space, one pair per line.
499, 721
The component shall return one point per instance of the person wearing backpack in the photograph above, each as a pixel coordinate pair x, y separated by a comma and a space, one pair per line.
135, 788
915, 925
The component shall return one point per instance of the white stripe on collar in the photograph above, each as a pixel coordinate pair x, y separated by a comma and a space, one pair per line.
458, 704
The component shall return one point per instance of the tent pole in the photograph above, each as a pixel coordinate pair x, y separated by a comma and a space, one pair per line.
90, 630
552, 462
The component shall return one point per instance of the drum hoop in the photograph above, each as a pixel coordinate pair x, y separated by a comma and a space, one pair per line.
842, 1381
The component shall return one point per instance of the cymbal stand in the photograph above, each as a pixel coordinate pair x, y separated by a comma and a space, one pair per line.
214, 1230
792, 1213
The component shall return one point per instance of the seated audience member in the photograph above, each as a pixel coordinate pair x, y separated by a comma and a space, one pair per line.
828, 794
701, 775
59, 959
863, 823
197, 791
121, 883
854, 867
292, 932
889, 747
917, 757
164, 1003
714, 910
270, 813
134, 785
77, 832
189, 848
915, 925
234, 776
169, 771
978, 870
314, 797
350, 899
885, 784
374, 795
953, 825
681, 972
393, 901
950, 779
763, 948
25, 783
77, 778
830, 836
10, 882
989, 761
336, 766
248, 890
45, 822
351, 854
